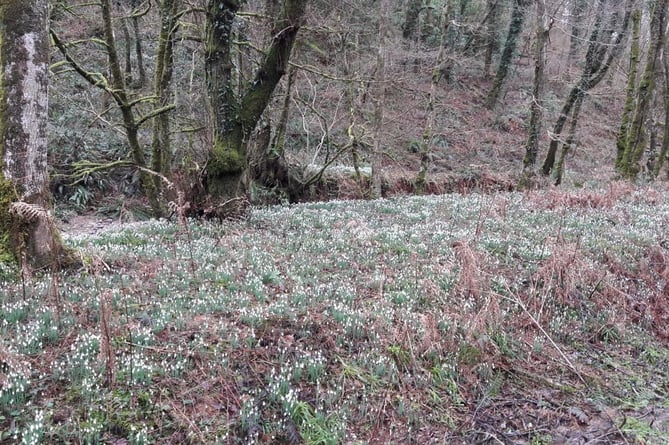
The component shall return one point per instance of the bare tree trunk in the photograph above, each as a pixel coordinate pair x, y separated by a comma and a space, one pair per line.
127, 51
571, 140
576, 19
379, 96
279, 143
604, 46
27, 231
139, 54
130, 122
430, 112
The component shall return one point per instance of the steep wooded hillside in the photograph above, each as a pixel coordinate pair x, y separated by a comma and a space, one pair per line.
400, 102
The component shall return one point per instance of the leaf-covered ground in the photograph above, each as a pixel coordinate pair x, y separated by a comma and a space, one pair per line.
515, 318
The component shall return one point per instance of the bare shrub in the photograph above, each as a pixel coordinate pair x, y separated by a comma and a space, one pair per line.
472, 281
567, 278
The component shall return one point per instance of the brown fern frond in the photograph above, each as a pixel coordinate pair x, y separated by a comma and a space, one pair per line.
472, 280
29, 212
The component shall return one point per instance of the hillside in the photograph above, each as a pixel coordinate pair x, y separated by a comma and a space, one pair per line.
338, 106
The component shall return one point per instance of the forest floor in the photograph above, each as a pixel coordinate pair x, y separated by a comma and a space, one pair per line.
536, 317
478, 315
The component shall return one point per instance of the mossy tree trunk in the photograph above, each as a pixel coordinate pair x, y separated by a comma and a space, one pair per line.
116, 87
236, 116
161, 155
604, 45
411, 19
664, 150
126, 106
628, 109
637, 138
426, 154
27, 231
515, 28
492, 35
570, 141
536, 107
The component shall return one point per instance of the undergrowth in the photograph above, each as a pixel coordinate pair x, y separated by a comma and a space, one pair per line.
517, 318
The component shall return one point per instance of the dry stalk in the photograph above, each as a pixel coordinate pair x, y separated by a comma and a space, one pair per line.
180, 208
188, 421
517, 300
431, 336
106, 348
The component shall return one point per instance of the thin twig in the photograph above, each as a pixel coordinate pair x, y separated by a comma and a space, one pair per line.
519, 302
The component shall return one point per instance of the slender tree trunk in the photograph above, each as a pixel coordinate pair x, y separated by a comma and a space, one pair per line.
515, 28
130, 122
127, 51
536, 107
623, 131
574, 94
576, 19
161, 155
571, 140
379, 98
603, 48
27, 231
139, 54
279, 143
430, 112
664, 150
492, 36
637, 137
235, 117
350, 94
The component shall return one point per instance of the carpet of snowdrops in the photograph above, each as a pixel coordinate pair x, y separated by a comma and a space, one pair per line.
521, 317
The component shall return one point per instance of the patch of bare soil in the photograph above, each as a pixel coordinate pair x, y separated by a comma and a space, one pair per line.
88, 224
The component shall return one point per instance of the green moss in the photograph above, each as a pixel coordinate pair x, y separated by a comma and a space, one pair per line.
7, 196
225, 160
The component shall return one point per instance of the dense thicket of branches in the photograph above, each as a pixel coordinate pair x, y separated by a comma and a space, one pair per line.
228, 121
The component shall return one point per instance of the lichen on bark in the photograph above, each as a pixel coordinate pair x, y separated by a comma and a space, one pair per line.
24, 56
